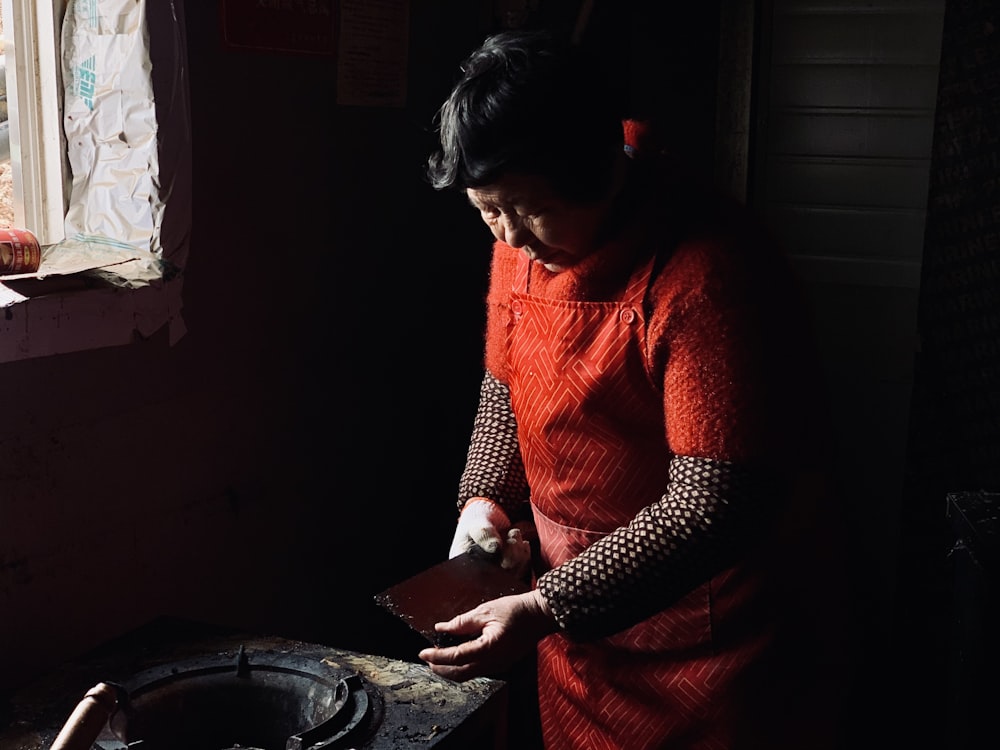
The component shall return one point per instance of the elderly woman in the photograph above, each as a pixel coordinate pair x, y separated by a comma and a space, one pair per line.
645, 410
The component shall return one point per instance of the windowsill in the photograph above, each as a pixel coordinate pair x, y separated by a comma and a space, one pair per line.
58, 315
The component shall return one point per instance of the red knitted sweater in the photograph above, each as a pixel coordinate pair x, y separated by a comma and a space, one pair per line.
724, 332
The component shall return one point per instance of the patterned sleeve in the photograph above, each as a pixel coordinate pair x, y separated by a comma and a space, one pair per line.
697, 528
493, 467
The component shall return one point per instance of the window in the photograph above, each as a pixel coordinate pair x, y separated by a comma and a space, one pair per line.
92, 162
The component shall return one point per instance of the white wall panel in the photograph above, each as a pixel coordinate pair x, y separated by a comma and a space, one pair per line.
851, 232
845, 122
872, 183
838, 36
846, 131
855, 85
858, 133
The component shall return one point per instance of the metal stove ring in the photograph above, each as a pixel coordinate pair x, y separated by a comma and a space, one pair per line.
338, 710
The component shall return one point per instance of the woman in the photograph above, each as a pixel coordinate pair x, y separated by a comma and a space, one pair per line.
646, 409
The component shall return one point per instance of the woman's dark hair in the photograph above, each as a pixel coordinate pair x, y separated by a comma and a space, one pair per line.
529, 103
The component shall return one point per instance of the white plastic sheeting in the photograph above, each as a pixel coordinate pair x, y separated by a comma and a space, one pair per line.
109, 119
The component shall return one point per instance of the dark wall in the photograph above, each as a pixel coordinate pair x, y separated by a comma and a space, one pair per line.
362, 324
947, 608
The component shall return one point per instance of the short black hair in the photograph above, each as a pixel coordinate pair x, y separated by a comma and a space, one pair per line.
529, 102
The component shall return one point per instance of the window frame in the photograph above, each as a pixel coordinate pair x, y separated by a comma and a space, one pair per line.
32, 30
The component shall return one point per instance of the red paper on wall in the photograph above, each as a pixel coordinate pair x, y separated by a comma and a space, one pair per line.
301, 27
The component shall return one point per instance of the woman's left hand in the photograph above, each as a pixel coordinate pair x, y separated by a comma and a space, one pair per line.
507, 628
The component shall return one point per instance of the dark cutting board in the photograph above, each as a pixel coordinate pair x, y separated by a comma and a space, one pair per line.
448, 589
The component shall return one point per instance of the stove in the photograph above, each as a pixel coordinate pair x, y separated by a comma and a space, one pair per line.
226, 691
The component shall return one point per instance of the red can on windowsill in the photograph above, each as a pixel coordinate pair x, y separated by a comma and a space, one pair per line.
19, 251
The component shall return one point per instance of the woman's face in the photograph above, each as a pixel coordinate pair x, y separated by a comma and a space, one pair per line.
526, 213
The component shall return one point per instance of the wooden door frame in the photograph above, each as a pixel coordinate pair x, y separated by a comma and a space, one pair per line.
739, 95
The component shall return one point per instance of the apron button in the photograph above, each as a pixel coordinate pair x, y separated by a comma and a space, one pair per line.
516, 307
628, 316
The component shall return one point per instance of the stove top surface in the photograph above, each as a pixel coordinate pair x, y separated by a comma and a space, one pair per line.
307, 694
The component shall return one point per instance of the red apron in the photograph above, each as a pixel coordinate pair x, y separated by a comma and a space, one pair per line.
590, 425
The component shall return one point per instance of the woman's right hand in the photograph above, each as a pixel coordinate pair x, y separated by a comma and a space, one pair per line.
482, 524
